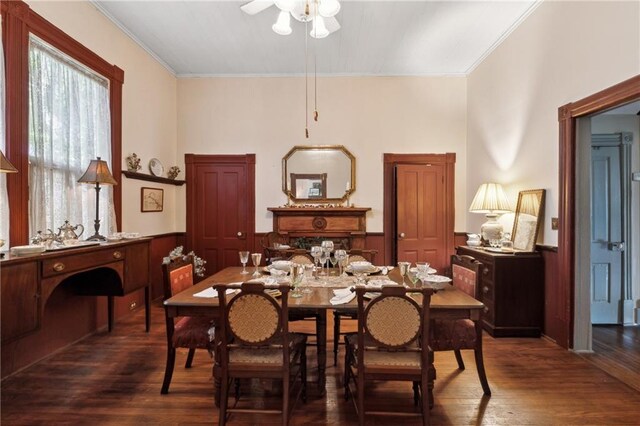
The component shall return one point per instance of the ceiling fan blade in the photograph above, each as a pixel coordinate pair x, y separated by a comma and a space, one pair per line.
332, 24
256, 6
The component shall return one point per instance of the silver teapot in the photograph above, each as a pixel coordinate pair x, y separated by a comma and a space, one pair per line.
68, 231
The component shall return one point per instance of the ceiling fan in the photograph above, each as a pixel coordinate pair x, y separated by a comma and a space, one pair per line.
321, 13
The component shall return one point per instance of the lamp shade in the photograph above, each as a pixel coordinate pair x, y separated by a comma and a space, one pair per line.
98, 172
490, 198
319, 30
5, 165
283, 24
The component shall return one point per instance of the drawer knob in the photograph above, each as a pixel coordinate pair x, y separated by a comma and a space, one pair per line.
486, 271
486, 310
58, 267
117, 255
485, 289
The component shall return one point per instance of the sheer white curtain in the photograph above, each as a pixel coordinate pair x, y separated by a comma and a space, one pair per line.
4, 199
69, 125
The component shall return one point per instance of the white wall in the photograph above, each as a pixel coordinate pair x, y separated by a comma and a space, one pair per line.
368, 115
561, 53
149, 116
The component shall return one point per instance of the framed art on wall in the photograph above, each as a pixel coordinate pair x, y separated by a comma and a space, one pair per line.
151, 199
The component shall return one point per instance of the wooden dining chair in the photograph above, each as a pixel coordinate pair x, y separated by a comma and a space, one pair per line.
268, 243
456, 335
185, 332
343, 313
391, 345
255, 342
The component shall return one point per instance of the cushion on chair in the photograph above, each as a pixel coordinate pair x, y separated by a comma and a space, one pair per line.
393, 321
244, 310
193, 332
447, 335
409, 359
181, 278
257, 355
464, 279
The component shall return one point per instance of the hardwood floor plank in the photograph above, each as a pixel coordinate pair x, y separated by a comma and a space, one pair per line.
116, 378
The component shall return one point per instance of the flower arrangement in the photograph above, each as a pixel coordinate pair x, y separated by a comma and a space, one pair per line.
133, 163
173, 172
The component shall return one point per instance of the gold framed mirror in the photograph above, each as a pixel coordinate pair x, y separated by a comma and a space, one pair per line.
526, 224
318, 174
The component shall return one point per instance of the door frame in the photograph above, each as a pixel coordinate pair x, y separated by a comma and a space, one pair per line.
248, 160
389, 213
568, 115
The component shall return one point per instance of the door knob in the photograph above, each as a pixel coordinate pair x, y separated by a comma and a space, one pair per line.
616, 246
402, 235
239, 234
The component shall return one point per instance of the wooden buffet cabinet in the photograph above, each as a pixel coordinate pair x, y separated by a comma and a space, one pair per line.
108, 269
512, 290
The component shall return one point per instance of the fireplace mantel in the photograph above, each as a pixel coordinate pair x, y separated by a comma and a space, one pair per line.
329, 222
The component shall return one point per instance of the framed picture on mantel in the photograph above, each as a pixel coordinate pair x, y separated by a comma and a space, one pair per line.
151, 199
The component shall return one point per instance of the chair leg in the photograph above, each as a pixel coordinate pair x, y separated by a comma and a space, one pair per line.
416, 393
347, 362
336, 337
427, 394
360, 387
459, 359
224, 396
285, 399
481, 373
168, 370
237, 389
303, 373
190, 355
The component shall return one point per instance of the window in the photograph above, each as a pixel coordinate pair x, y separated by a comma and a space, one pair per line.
69, 125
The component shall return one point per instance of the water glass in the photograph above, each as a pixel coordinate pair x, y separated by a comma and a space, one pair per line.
423, 267
341, 256
414, 276
244, 258
297, 274
255, 258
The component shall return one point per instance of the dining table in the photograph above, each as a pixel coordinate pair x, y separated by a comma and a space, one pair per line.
448, 303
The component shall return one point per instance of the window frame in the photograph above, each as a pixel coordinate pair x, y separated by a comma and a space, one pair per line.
18, 21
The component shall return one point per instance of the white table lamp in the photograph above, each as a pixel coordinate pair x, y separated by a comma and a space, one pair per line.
490, 200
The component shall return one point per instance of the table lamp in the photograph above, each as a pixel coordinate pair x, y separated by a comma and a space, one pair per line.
491, 200
98, 173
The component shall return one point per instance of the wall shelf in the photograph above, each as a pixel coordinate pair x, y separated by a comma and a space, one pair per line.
151, 178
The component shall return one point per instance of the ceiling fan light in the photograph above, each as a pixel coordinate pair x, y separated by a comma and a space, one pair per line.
286, 5
298, 11
319, 30
329, 8
283, 24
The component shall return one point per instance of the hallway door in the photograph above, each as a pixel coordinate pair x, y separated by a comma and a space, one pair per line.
607, 243
220, 207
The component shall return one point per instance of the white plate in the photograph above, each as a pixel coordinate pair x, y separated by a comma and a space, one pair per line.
373, 270
379, 283
24, 250
438, 279
155, 167
429, 271
498, 250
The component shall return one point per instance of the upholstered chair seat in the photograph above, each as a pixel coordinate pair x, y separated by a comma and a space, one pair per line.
194, 332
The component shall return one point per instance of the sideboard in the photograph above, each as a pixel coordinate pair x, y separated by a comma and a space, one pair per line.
108, 269
512, 290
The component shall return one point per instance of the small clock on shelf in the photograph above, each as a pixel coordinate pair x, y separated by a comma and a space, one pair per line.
156, 168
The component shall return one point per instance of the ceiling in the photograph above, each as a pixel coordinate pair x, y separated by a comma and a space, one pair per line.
215, 38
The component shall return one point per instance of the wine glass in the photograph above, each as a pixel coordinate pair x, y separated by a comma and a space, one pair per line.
340, 255
297, 273
244, 258
414, 276
316, 251
333, 260
255, 258
404, 267
423, 268
323, 260
327, 248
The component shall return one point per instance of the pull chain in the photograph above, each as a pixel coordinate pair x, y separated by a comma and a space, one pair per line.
306, 76
315, 72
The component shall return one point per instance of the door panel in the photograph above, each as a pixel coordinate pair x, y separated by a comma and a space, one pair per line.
421, 214
606, 227
220, 208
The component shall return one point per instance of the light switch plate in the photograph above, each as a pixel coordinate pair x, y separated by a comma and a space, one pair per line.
635, 176
554, 223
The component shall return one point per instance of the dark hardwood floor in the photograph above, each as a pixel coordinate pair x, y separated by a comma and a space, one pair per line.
616, 350
115, 379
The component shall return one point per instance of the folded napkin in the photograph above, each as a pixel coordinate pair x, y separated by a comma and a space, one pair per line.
212, 292
342, 296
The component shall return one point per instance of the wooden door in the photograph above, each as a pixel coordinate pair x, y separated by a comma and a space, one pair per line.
220, 207
606, 235
419, 208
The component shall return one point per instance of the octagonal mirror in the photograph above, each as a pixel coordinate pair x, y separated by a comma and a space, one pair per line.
318, 174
